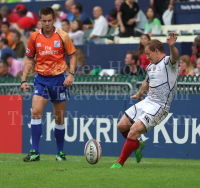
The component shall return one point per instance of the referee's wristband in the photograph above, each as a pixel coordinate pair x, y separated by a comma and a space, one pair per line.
23, 82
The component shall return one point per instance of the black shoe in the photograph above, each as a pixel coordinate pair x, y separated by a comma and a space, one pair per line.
61, 157
32, 156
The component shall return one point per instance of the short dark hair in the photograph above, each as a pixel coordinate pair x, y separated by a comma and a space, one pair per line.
46, 11
5, 9
113, 13
155, 44
6, 56
65, 20
134, 55
6, 23
197, 39
17, 33
79, 6
4, 40
197, 42
5, 64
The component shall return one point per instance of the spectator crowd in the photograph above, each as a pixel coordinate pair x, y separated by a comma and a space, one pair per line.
125, 20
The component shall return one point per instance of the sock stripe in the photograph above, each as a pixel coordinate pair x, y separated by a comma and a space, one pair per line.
132, 140
36, 121
60, 127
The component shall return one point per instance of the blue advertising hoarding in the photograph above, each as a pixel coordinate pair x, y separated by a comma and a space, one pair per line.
89, 117
187, 12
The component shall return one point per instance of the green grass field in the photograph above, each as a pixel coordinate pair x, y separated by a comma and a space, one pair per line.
76, 172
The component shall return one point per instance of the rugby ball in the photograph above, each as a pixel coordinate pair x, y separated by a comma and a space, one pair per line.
92, 151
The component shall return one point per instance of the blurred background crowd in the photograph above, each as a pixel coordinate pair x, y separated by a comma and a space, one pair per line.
125, 20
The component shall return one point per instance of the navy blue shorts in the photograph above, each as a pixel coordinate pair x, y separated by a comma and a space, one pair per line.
51, 87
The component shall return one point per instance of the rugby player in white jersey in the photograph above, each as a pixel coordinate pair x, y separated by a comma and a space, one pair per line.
160, 85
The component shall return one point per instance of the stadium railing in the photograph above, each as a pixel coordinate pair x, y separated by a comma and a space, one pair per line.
83, 85
102, 85
186, 85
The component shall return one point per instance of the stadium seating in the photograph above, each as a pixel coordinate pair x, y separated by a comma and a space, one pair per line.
87, 33
185, 33
109, 35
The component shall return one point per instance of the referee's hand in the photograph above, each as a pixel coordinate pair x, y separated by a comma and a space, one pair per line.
25, 86
68, 81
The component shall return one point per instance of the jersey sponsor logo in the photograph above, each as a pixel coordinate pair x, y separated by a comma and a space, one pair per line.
28, 51
56, 43
154, 69
62, 96
39, 45
159, 69
147, 118
48, 52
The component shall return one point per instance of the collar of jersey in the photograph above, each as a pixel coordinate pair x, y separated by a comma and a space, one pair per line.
51, 33
160, 60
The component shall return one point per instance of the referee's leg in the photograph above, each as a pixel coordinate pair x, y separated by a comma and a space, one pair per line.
59, 133
38, 104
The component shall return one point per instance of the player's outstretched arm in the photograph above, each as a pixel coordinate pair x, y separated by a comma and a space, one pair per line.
143, 90
27, 68
171, 40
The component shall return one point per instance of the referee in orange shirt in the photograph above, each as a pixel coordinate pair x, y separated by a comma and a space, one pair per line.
49, 46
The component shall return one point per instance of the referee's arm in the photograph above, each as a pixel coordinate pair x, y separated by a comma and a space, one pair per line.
70, 78
72, 62
27, 67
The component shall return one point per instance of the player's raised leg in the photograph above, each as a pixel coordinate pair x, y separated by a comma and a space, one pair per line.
38, 104
132, 143
59, 132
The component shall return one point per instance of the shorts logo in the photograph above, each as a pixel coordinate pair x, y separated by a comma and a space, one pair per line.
56, 43
36, 91
38, 44
62, 96
27, 51
146, 118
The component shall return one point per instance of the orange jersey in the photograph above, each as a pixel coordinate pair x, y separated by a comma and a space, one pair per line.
50, 52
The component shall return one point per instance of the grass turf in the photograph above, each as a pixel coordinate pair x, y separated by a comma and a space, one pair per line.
76, 172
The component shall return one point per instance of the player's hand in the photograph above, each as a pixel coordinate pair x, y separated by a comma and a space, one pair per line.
136, 96
171, 40
122, 29
25, 86
68, 81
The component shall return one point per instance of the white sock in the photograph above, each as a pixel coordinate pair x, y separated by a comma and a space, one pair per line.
59, 127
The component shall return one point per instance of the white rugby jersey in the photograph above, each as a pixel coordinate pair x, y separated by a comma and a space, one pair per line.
162, 78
